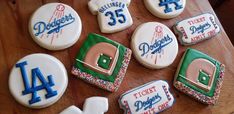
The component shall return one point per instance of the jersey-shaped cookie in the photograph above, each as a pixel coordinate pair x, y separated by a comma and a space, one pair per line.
93, 105
165, 9
102, 62
38, 80
154, 45
55, 26
113, 15
150, 98
196, 29
199, 76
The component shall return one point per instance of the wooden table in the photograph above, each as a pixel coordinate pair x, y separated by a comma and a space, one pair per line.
15, 43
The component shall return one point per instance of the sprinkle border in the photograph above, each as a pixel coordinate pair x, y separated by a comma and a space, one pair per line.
102, 83
199, 96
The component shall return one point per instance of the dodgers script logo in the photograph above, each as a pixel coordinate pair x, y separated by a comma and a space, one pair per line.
157, 44
148, 104
54, 26
166, 3
200, 29
36, 73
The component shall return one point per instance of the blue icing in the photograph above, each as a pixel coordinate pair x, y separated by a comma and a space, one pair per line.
36, 74
148, 104
114, 16
200, 29
55, 26
166, 3
156, 47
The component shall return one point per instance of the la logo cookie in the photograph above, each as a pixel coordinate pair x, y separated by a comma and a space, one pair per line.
93, 105
102, 62
38, 80
199, 76
113, 15
196, 29
150, 98
154, 45
165, 9
55, 26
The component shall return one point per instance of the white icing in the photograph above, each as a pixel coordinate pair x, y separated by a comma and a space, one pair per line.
186, 27
119, 11
93, 105
70, 26
138, 100
149, 33
155, 9
47, 65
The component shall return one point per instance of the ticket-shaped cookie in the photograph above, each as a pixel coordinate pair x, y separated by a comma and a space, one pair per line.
196, 29
199, 76
150, 98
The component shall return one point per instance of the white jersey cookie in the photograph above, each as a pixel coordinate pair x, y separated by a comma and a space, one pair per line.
150, 98
38, 80
165, 8
154, 45
55, 26
93, 105
113, 15
196, 29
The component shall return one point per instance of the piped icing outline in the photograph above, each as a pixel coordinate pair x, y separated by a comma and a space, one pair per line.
180, 34
125, 106
210, 100
111, 86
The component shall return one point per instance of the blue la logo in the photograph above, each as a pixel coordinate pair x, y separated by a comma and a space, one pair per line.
36, 73
166, 3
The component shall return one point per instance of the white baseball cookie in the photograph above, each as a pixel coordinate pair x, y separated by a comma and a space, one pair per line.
38, 80
165, 9
55, 26
154, 45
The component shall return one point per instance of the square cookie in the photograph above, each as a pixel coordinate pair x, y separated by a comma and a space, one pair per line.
199, 76
102, 62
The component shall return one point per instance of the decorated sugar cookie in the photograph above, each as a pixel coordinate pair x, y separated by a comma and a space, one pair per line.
38, 80
196, 29
93, 105
199, 76
154, 45
102, 62
55, 26
150, 98
165, 9
113, 15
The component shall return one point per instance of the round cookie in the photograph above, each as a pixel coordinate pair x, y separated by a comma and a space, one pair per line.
55, 26
38, 80
165, 9
154, 45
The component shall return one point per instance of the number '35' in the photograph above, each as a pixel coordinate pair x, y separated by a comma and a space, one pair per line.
115, 16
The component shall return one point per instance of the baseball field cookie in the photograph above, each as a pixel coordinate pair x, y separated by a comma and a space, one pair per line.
150, 98
113, 15
199, 76
154, 45
102, 62
93, 105
55, 26
165, 9
196, 29
38, 80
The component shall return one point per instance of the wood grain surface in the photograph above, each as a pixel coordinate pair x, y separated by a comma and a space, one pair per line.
15, 43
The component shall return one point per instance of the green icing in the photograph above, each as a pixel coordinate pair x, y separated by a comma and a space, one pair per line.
203, 78
190, 55
92, 40
104, 61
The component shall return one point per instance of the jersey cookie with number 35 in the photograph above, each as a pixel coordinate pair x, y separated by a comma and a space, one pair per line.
113, 15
